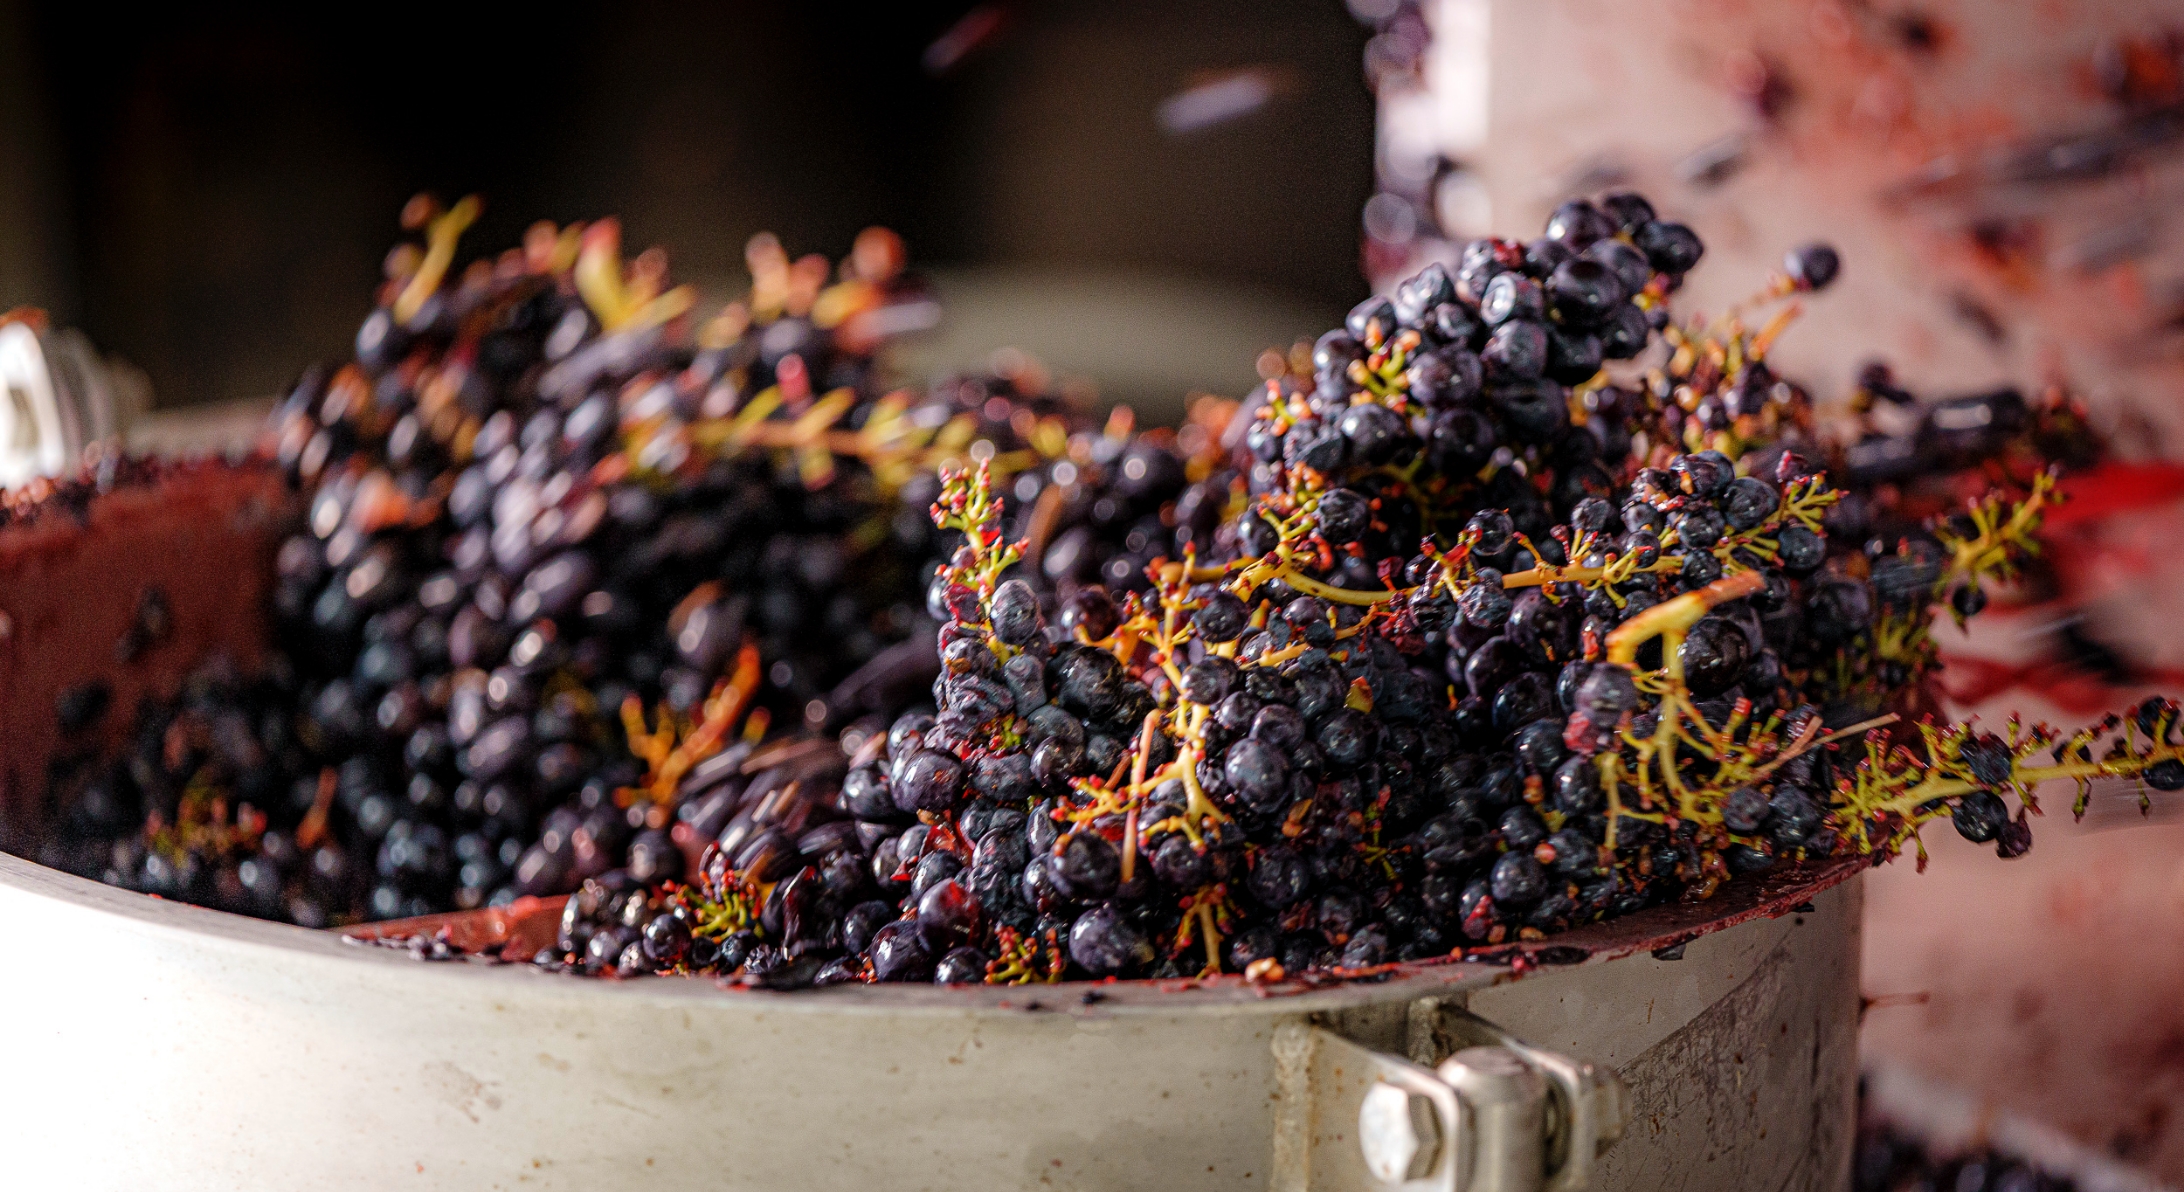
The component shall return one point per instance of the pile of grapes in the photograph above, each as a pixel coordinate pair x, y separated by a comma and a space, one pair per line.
542, 510
1477, 654
1511, 605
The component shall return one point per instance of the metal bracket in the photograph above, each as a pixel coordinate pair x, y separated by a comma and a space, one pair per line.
1585, 1101
1498, 1115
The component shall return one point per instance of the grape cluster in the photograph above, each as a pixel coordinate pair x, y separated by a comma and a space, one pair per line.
1478, 390
1908, 462
539, 505
1122, 498
1957, 434
1398, 703
530, 503
1451, 637
1249, 776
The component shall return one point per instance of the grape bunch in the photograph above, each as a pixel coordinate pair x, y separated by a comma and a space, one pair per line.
542, 509
1407, 704
530, 503
1909, 461
1714, 391
1247, 772
1481, 390
1957, 434
1116, 500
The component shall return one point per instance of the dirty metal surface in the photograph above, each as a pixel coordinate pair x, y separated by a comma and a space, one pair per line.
1740, 1059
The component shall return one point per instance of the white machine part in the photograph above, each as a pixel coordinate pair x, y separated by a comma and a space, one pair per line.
57, 397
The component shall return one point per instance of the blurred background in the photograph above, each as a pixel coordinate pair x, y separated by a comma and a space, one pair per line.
208, 190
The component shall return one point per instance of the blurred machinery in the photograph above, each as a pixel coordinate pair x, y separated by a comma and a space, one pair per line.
2003, 182
57, 397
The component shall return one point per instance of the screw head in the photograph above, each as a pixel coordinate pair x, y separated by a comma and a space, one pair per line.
1399, 1133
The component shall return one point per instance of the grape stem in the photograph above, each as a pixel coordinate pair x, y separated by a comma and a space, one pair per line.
1670, 619
666, 760
1137, 787
441, 236
622, 299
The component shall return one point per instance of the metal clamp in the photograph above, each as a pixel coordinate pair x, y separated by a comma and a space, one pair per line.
1499, 1115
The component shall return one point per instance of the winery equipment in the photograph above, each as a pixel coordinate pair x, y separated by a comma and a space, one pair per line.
260, 1053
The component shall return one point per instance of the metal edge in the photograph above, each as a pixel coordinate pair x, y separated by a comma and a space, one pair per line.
1768, 895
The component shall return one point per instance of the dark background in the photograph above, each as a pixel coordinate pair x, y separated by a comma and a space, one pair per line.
209, 191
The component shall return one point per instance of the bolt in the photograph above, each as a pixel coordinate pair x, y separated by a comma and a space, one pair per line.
1399, 1133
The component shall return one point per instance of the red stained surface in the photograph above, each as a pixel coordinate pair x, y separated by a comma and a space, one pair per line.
204, 536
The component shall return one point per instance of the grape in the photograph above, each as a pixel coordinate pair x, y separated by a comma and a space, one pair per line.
1371, 320
1518, 879
1484, 602
1257, 771
1180, 864
1746, 810
666, 939
1573, 356
1516, 351
1579, 223
930, 780
1088, 682
900, 953
1980, 817
1015, 613
933, 869
1221, 619
1801, 550
1670, 247
1812, 266
1583, 291
1703, 475
1280, 877
949, 915
1420, 295
1714, 654
964, 965
1104, 943
1512, 296
1085, 867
